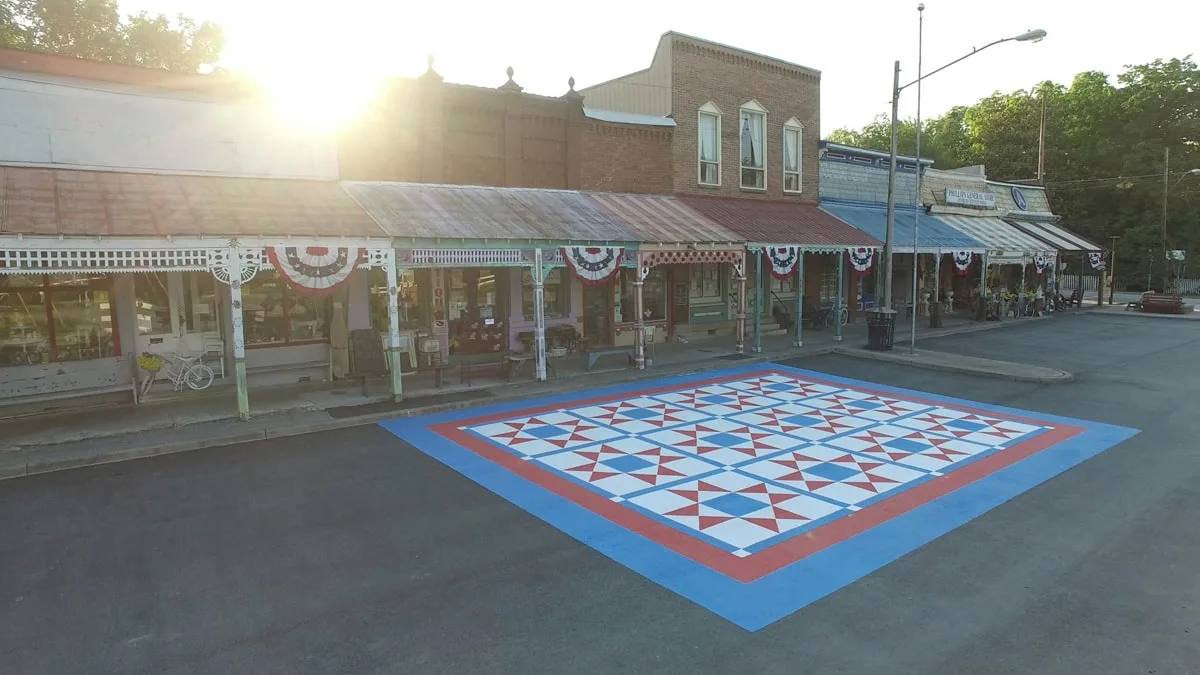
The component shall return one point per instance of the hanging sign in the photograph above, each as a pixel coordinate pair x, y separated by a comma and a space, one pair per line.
783, 260
958, 197
1096, 260
962, 262
594, 266
1041, 263
861, 260
315, 270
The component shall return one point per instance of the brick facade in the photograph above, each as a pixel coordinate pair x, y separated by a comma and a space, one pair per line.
626, 158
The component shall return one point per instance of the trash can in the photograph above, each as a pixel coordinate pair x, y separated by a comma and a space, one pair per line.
881, 330
935, 315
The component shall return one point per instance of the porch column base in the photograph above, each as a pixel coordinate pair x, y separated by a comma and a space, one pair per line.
395, 354
797, 343
243, 396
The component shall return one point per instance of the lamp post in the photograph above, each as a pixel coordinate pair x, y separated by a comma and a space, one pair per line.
912, 339
1166, 191
888, 244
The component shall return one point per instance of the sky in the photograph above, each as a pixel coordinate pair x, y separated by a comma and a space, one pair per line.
853, 42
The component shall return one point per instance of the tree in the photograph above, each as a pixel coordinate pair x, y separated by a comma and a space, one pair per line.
93, 29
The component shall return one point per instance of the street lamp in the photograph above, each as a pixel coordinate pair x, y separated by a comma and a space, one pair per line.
888, 244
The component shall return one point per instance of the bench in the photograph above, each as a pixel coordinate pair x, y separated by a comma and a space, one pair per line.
1162, 303
475, 364
597, 353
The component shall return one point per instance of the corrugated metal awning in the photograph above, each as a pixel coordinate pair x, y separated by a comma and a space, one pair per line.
478, 212
657, 219
780, 223
1006, 243
936, 236
90, 203
1057, 236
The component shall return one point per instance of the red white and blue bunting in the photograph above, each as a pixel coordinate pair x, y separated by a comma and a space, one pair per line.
962, 262
783, 260
594, 266
315, 270
1096, 260
861, 260
1041, 263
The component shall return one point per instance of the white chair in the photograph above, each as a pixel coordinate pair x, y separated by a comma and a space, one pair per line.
214, 348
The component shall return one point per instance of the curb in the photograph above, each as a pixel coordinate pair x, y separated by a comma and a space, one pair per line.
1059, 376
49, 465
1139, 315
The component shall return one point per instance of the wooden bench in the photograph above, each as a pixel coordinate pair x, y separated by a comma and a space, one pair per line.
596, 353
474, 364
1162, 303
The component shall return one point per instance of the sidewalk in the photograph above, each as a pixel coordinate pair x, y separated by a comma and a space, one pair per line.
194, 421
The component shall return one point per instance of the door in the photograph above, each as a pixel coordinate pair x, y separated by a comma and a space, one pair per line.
597, 315
679, 297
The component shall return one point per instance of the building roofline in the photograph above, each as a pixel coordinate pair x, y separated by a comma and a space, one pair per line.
830, 145
46, 63
747, 52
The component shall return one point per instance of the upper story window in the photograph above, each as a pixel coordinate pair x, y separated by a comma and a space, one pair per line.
754, 151
709, 142
793, 144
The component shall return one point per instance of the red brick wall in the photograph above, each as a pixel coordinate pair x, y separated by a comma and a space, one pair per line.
626, 158
729, 78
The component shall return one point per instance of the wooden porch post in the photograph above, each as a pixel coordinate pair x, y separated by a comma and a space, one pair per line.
539, 314
235, 268
394, 353
758, 301
799, 342
740, 329
841, 297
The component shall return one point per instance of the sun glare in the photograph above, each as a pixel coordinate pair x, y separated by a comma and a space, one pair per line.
319, 98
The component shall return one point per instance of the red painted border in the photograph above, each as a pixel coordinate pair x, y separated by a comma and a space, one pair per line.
786, 552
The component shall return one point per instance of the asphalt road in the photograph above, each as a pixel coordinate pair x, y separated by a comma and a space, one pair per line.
348, 552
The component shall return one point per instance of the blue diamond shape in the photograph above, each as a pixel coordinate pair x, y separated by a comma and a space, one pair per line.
724, 440
833, 472
734, 504
966, 425
547, 431
626, 463
717, 399
906, 445
640, 414
803, 420
866, 405
780, 386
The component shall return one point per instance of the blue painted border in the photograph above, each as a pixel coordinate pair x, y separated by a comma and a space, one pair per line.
764, 601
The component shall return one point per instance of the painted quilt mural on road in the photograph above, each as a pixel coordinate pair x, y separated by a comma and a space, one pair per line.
754, 491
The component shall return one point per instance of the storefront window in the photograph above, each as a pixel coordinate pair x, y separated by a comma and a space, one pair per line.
55, 318
274, 314
654, 296
829, 285
556, 298
408, 298
153, 302
200, 302
705, 280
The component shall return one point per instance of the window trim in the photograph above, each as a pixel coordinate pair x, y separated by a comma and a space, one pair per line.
286, 289
791, 125
711, 110
754, 107
104, 282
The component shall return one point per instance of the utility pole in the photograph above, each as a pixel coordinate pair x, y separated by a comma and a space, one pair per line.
1041, 169
889, 233
1112, 266
1166, 189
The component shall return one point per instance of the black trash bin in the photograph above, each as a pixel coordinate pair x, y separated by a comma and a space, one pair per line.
881, 330
935, 315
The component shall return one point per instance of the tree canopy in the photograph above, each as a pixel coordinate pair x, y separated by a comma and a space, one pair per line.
1105, 144
94, 29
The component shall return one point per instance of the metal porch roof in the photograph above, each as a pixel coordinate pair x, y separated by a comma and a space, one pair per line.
659, 219
71, 202
1004, 241
1056, 235
481, 212
777, 222
935, 235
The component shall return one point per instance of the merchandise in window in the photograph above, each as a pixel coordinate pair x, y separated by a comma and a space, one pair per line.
654, 296
408, 298
753, 125
792, 145
476, 310
200, 303
153, 303
710, 146
55, 318
556, 294
274, 314
705, 280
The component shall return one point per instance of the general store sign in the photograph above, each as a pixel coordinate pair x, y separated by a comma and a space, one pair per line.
958, 197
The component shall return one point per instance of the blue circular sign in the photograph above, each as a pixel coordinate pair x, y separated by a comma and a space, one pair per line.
1019, 198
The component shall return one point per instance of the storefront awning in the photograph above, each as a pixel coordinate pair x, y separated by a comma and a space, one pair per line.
663, 220
470, 212
936, 236
1006, 243
781, 223
1057, 236
105, 203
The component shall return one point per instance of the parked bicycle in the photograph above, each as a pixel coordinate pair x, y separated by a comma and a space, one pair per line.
182, 371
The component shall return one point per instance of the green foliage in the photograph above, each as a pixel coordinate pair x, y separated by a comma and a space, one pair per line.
1105, 142
93, 29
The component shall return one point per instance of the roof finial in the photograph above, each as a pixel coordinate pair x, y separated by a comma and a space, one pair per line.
509, 72
510, 85
571, 83
430, 73
572, 94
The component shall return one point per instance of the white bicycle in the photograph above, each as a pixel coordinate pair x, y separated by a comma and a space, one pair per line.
182, 370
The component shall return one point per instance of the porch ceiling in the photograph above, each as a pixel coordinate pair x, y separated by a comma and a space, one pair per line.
658, 219
66, 202
480, 212
777, 222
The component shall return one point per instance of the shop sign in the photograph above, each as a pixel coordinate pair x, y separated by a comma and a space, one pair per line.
959, 197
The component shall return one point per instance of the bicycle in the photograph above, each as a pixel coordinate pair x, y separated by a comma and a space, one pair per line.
843, 316
182, 370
